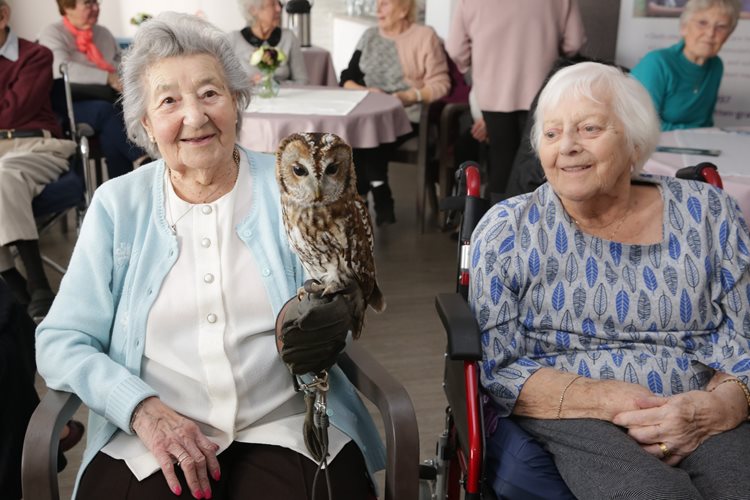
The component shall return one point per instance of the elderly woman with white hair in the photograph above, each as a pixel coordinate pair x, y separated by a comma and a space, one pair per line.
263, 18
165, 323
613, 306
684, 79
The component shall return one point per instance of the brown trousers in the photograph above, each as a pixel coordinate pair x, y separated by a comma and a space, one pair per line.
248, 471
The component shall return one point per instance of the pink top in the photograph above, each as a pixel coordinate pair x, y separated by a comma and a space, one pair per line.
511, 45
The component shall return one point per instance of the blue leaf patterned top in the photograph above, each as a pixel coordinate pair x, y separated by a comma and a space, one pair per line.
664, 315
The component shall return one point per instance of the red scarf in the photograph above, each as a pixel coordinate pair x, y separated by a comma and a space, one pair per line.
85, 44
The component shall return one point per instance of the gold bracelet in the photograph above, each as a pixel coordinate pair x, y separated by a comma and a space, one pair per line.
562, 396
744, 388
135, 413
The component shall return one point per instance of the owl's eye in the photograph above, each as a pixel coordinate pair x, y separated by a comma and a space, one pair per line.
299, 170
332, 169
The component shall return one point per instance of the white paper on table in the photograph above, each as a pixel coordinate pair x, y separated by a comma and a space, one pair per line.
734, 146
302, 101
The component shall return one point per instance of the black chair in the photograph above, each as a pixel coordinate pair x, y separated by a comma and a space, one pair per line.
39, 463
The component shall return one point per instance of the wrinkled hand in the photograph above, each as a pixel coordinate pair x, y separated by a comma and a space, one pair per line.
312, 331
681, 422
171, 437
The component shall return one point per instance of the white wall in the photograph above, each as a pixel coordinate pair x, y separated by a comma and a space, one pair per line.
438, 14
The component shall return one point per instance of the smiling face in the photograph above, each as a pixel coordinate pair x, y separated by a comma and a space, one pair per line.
584, 151
84, 15
705, 33
190, 112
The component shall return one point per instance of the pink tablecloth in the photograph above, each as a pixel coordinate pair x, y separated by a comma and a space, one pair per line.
319, 67
377, 119
733, 162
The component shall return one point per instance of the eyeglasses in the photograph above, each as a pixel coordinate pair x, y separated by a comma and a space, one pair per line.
705, 25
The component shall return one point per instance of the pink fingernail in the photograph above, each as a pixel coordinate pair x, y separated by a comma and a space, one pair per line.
177, 490
198, 494
207, 493
217, 475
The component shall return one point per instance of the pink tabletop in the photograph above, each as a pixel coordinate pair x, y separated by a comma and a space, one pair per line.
377, 119
733, 163
319, 67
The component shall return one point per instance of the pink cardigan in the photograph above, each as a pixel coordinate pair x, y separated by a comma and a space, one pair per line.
511, 45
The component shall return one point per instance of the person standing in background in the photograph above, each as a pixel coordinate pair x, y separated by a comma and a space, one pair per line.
510, 47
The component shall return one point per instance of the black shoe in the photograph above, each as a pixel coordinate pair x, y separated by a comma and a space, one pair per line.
384, 212
41, 301
385, 216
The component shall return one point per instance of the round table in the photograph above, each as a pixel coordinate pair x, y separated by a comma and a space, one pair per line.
376, 119
732, 161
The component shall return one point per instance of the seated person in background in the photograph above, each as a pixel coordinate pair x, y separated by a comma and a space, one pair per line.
93, 56
401, 58
164, 323
612, 306
263, 18
684, 79
31, 156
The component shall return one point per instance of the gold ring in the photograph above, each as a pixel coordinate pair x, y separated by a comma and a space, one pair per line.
182, 457
664, 450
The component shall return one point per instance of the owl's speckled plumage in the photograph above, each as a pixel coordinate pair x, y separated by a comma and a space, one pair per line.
327, 223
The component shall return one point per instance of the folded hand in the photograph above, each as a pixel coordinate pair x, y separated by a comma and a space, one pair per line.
173, 438
677, 424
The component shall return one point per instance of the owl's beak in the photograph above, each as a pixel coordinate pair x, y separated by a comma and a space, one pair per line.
317, 193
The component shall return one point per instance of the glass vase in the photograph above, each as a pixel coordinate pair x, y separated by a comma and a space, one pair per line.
268, 86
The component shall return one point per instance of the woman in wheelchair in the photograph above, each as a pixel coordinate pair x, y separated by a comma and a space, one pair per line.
613, 306
164, 325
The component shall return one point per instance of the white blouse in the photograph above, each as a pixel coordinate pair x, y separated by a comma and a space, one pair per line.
210, 349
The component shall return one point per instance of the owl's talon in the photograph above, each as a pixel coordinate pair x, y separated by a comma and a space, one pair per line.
314, 286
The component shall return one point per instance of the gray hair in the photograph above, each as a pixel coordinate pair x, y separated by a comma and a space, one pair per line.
245, 6
731, 8
628, 99
171, 34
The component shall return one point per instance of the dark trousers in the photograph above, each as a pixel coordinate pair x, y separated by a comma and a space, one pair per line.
599, 460
371, 164
106, 119
17, 371
504, 131
248, 471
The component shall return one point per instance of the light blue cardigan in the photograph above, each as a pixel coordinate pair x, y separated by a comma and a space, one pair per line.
92, 341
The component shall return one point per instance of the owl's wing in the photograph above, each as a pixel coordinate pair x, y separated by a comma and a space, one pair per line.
363, 260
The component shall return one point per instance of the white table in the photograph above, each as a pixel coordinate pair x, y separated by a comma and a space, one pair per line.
376, 119
733, 161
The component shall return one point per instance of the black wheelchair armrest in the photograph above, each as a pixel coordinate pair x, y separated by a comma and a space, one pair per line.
464, 341
399, 419
40, 445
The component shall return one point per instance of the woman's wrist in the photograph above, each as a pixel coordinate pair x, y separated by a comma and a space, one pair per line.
137, 412
733, 397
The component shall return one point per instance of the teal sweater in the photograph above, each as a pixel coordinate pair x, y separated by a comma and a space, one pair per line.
684, 93
92, 341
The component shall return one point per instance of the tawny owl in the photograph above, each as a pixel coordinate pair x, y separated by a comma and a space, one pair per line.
327, 223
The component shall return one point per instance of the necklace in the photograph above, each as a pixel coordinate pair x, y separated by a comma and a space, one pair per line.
173, 225
619, 222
